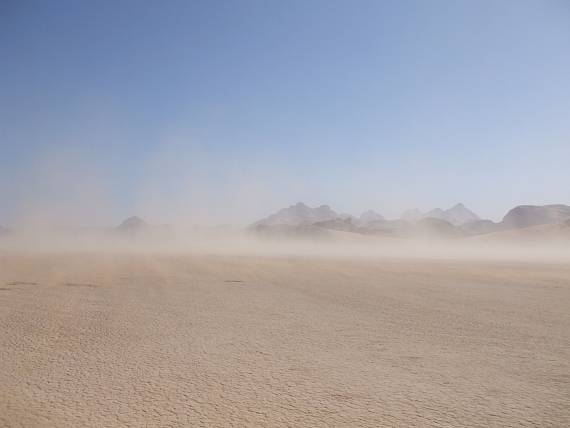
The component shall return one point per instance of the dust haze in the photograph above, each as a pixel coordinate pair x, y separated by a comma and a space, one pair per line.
226, 240
66, 200
304, 317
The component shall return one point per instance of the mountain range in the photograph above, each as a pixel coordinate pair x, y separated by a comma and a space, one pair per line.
457, 221
454, 222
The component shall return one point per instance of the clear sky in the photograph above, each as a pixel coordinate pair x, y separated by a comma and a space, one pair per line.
223, 111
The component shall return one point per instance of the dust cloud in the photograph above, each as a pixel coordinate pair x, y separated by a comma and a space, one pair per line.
105, 322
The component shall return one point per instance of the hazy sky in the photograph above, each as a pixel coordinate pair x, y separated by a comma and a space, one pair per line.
228, 110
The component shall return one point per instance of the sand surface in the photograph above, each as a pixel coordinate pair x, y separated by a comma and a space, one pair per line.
207, 341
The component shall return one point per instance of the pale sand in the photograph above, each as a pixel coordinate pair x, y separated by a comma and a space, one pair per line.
144, 340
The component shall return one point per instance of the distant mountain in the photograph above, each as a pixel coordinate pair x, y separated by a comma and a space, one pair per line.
533, 215
133, 225
299, 214
369, 217
435, 213
457, 215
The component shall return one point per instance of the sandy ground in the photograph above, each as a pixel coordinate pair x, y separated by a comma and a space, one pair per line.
141, 340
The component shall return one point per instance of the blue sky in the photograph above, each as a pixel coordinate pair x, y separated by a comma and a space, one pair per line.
224, 111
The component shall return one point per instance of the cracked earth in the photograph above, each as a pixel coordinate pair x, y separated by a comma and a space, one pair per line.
205, 341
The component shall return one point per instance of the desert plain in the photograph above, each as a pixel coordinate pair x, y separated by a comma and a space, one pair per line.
100, 339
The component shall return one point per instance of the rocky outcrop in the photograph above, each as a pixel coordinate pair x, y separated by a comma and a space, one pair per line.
534, 215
